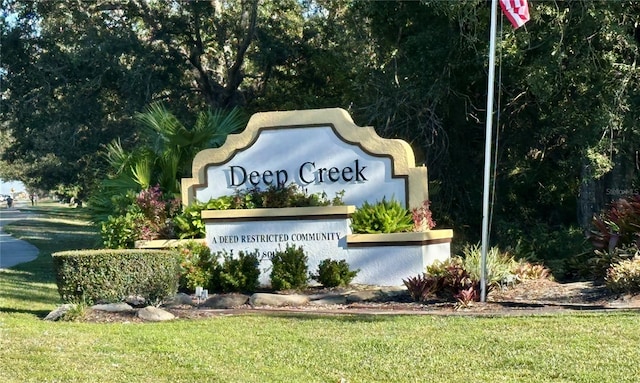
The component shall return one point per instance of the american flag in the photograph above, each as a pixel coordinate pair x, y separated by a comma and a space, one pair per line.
517, 11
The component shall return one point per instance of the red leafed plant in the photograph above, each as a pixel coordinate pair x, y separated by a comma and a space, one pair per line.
422, 218
617, 226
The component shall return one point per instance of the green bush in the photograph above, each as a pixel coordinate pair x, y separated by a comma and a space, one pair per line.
113, 275
500, 265
197, 266
453, 280
332, 273
289, 269
381, 217
189, 223
148, 215
624, 276
237, 274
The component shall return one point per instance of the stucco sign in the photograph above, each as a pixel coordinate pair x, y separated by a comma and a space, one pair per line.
319, 150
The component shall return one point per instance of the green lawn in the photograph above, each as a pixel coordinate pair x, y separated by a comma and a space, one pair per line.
286, 348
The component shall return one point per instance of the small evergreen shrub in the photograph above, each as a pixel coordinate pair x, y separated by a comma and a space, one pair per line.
237, 274
453, 280
332, 273
289, 269
624, 276
381, 217
197, 266
602, 260
108, 276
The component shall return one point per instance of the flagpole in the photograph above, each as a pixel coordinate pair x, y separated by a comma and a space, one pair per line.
487, 151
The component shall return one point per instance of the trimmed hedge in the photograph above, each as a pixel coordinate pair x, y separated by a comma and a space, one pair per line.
110, 275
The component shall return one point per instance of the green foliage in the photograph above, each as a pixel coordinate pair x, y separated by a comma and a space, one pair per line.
197, 265
381, 217
333, 273
113, 275
237, 274
499, 265
121, 232
189, 223
599, 264
289, 269
624, 276
149, 216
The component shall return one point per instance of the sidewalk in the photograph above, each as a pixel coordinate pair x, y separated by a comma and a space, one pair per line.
14, 251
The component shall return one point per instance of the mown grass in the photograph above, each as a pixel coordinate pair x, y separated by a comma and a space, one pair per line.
595, 347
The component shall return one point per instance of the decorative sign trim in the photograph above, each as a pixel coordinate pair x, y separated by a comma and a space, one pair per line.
398, 151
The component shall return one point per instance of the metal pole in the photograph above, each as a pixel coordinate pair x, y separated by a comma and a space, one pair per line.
487, 151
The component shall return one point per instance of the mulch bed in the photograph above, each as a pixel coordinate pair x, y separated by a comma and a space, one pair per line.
536, 297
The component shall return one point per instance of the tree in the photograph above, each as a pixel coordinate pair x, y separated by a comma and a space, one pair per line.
163, 156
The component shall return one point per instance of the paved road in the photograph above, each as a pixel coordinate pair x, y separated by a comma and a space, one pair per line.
14, 251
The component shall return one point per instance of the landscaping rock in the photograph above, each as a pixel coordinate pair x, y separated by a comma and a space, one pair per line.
278, 300
135, 301
59, 312
329, 300
226, 301
113, 307
180, 299
363, 296
154, 314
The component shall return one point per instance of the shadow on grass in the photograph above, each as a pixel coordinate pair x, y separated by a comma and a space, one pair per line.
40, 314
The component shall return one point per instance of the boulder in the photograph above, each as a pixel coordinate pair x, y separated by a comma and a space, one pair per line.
154, 314
113, 307
278, 300
60, 312
226, 301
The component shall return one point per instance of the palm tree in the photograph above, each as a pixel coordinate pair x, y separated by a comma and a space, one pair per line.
164, 155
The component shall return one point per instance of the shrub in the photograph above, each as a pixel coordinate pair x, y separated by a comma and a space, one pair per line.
197, 266
113, 275
527, 271
451, 277
121, 232
237, 274
381, 217
618, 226
499, 265
421, 287
289, 269
332, 273
422, 217
602, 260
148, 215
189, 223
624, 276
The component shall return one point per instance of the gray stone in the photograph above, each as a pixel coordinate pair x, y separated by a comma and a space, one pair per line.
278, 300
329, 300
113, 307
135, 300
154, 314
180, 299
226, 301
363, 296
60, 312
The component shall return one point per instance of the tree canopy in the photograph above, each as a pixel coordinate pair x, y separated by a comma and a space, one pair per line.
74, 74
